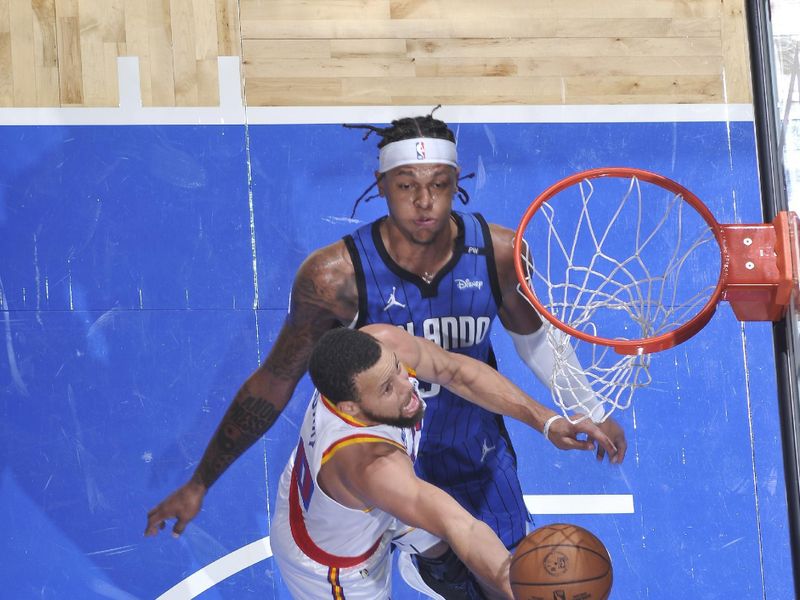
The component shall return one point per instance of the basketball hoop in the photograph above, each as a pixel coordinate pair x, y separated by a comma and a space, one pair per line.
631, 261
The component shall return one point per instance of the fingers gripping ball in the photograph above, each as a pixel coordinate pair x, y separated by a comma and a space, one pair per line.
561, 562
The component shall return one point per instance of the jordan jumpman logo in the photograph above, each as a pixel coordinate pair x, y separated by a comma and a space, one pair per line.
393, 301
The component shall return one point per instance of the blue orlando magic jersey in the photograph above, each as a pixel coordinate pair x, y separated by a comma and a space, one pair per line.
465, 449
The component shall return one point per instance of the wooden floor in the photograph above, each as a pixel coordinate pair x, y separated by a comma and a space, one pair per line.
376, 52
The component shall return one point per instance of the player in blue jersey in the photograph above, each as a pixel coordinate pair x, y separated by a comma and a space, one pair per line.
439, 274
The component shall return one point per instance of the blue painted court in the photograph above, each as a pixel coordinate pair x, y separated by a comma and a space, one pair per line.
145, 271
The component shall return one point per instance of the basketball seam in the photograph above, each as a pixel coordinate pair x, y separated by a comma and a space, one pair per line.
559, 583
526, 552
566, 543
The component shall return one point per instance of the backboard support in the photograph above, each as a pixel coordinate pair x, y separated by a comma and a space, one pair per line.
761, 275
774, 37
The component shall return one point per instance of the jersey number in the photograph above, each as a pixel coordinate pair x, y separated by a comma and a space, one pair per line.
302, 475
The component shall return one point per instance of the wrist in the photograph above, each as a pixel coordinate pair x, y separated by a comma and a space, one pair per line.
594, 409
548, 424
197, 483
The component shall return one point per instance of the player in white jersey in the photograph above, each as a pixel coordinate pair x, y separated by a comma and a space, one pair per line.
350, 482
312, 532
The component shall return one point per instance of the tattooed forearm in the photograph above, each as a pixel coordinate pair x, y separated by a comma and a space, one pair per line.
252, 417
258, 403
209, 470
323, 295
305, 324
289, 356
248, 418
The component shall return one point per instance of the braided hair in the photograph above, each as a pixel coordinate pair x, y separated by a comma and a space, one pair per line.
405, 129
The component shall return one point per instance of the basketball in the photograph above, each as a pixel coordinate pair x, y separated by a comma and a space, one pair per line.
561, 562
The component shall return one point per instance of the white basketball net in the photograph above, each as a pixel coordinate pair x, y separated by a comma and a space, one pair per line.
620, 266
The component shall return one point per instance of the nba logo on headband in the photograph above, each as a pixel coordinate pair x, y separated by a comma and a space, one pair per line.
416, 151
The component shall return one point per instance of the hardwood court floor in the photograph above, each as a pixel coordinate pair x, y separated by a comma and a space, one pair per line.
376, 52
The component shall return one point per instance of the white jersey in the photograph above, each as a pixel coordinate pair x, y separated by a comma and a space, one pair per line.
323, 547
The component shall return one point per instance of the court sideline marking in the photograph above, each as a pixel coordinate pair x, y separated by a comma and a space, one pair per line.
247, 556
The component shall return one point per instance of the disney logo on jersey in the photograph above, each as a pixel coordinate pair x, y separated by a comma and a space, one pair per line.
469, 284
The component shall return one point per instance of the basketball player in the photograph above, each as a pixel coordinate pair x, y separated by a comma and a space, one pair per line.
351, 475
440, 274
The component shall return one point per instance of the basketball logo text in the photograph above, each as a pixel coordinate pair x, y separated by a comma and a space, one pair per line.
420, 150
556, 563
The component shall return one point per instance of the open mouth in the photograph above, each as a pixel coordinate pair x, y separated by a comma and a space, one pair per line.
412, 406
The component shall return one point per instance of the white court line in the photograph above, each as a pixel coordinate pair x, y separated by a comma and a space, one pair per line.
230, 83
335, 115
579, 504
220, 569
596, 113
129, 82
247, 556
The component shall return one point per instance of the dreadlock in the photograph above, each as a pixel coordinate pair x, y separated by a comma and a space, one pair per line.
405, 129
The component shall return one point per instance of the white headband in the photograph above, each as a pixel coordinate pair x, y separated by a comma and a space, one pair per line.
418, 151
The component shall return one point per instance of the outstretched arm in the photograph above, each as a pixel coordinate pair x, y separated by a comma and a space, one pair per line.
383, 477
323, 294
482, 385
530, 340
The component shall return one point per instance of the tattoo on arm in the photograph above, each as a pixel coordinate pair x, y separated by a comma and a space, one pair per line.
249, 418
259, 402
246, 420
254, 411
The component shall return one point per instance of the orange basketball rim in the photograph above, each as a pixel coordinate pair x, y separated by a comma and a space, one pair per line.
756, 262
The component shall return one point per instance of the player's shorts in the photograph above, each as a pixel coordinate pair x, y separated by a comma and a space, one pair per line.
369, 580
411, 539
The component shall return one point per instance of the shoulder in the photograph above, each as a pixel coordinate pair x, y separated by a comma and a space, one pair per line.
368, 462
328, 263
326, 278
502, 240
365, 473
516, 313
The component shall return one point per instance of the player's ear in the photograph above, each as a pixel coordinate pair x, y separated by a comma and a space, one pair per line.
379, 178
348, 407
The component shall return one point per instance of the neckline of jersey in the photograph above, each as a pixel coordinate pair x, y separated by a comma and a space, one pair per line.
427, 289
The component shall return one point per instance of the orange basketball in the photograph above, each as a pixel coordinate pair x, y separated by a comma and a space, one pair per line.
561, 562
